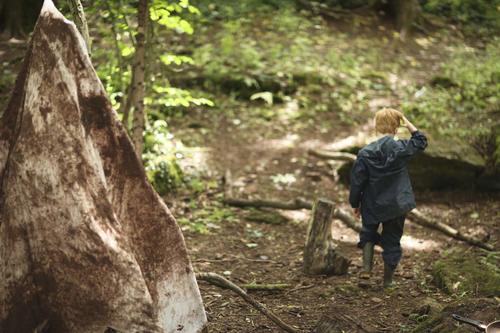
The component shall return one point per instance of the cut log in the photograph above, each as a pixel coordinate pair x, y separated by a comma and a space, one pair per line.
220, 281
321, 256
85, 241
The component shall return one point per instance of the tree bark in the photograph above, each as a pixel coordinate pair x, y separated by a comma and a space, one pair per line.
320, 253
81, 22
138, 89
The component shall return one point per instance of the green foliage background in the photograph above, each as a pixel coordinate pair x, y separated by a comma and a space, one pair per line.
250, 60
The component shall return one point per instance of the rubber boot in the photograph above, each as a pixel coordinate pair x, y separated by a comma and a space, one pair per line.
388, 275
368, 250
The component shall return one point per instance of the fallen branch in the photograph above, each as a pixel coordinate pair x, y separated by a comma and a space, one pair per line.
338, 213
353, 223
348, 219
288, 205
299, 287
220, 281
43, 327
333, 155
419, 218
268, 287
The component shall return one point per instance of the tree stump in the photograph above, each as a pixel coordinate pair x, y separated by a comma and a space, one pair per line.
321, 256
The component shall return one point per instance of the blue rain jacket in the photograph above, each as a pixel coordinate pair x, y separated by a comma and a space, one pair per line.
379, 178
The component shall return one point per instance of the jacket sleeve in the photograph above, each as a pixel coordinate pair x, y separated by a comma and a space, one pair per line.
359, 178
408, 148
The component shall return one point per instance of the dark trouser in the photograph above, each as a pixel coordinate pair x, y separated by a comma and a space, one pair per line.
392, 230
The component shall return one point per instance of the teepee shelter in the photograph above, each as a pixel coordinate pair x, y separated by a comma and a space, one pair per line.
86, 244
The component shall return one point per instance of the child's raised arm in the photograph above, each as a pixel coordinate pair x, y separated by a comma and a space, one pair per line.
417, 142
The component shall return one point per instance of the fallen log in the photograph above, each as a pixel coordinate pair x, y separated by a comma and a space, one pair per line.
321, 256
353, 223
332, 155
296, 204
260, 203
419, 218
347, 219
220, 281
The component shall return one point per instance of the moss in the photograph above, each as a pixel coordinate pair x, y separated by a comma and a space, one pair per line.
468, 273
264, 216
441, 322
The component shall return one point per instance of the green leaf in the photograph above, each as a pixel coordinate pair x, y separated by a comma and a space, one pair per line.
265, 95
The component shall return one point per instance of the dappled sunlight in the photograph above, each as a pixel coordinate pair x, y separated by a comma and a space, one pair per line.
195, 160
301, 216
343, 234
409, 242
286, 142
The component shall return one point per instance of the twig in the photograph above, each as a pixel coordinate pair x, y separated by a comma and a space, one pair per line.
220, 281
299, 288
43, 327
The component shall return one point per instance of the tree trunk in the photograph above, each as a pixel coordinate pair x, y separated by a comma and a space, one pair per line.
80, 21
320, 253
17, 17
86, 244
137, 90
405, 11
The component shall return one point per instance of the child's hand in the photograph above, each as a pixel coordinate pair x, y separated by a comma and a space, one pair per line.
357, 213
409, 126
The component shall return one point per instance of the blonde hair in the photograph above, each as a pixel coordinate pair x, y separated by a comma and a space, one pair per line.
387, 120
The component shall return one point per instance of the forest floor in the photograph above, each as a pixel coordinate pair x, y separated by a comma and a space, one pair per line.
251, 252
268, 159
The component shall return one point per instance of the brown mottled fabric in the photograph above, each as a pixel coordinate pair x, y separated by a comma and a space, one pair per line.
85, 241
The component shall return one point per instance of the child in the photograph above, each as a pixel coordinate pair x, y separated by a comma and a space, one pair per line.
381, 190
